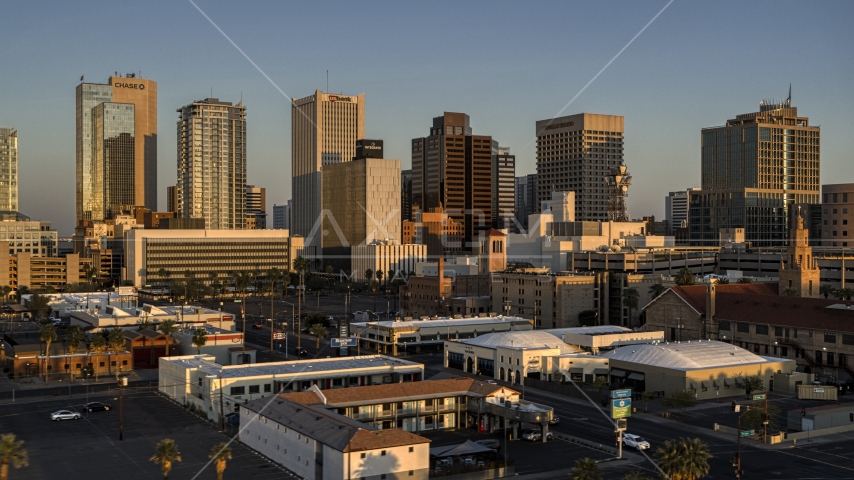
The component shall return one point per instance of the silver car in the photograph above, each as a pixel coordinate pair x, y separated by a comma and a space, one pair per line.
635, 442
64, 415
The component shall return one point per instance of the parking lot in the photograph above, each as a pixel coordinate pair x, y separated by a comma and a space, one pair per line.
529, 457
90, 449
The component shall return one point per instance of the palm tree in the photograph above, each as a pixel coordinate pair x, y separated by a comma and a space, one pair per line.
319, 331
685, 277
20, 291
47, 334
73, 339
656, 289
630, 299
165, 454
242, 280
167, 327
99, 344
586, 469
723, 281
273, 276
379, 274
12, 453
369, 274
684, 459
845, 293
221, 453
790, 292
745, 280
5, 290
825, 289
115, 340
636, 474
200, 338
143, 324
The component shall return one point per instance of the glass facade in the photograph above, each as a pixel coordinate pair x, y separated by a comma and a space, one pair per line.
112, 159
89, 95
212, 164
8, 169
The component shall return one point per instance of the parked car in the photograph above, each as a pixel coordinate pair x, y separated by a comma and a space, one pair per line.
536, 435
489, 443
64, 415
635, 442
555, 420
492, 382
97, 406
257, 325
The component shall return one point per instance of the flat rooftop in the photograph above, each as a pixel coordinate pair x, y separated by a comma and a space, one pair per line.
378, 362
444, 322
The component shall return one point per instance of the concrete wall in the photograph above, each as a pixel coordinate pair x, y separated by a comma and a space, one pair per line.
284, 446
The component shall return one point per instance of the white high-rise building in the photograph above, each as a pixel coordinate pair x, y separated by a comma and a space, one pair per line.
212, 163
8, 169
676, 208
282, 216
324, 130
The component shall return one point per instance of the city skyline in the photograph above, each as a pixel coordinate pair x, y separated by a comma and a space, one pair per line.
670, 82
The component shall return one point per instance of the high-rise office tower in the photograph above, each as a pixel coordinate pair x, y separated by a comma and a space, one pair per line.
452, 169
256, 207
324, 130
676, 208
361, 199
503, 187
8, 169
172, 199
142, 94
526, 202
113, 169
212, 163
574, 154
406, 195
282, 216
753, 169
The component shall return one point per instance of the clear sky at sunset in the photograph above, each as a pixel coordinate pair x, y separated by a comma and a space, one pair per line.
506, 64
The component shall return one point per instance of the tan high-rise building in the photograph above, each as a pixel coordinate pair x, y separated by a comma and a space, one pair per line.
324, 130
8, 169
361, 202
574, 154
142, 94
212, 163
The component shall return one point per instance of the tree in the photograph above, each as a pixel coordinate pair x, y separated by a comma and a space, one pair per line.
685, 277
636, 474
47, 334
684, 459
745, 280
39, 306
73, 339
220, 453
752, 419
680, 399
143, 324
752, 383
21, 291
586, 469
647, 397
329, 269
723, 281
379, 274
319, 331
630, 299
115, 341
317, 318
99, 344
12, 453
845, 293
825, 289
168, 327
656, 289
599, 383
165, 454
5, 290
790, 292
164, 275
200, 338
369, 274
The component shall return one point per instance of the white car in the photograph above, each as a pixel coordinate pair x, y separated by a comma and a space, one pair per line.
635, 442
64, 415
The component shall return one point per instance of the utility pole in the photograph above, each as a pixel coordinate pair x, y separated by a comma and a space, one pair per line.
299, 314
122, 383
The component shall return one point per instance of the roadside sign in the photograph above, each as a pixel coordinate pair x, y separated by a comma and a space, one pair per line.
759, 396
621, 393
237, 301
747, 433
621, 408
343, 342
278, 335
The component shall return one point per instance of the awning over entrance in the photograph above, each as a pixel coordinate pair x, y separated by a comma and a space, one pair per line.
576, 370
615, 372
636, 376
694, 385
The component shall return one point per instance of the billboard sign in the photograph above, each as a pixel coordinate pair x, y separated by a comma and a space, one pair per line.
627, 392
621, 408
278, 335
343, 342
126, 291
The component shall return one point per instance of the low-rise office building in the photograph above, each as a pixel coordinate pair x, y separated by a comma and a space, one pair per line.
199, 380
317, 443
114, 316
707, 368
37, 272
394, 260
551, 300
429, 334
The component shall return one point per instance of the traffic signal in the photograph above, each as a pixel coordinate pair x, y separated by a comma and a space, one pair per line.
803, 412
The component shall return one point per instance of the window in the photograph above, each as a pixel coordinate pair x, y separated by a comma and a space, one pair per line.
829, 338
200, 381
742, 327
238, 390
382, 454
124, 362
268, 387
411, 449
724, 325
102, 364
762, 329
778, 331
363, 455
254, 389
848, 339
